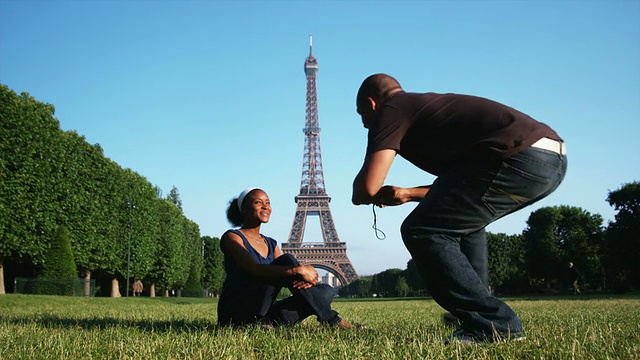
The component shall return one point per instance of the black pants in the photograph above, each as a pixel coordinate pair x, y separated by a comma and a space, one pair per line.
302, 303
292, 310
446, 238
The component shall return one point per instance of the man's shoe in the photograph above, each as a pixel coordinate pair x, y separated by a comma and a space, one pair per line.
509, 337
451, 320
264, 324
467, 339
459, 336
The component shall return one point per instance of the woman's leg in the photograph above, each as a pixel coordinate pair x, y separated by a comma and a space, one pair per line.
303, 303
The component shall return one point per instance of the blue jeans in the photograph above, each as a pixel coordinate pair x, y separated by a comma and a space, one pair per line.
302, 303
446, 238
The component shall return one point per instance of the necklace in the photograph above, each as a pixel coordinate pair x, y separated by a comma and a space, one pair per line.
257, 241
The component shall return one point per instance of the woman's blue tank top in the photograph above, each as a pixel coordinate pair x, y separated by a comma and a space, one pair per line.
241, 297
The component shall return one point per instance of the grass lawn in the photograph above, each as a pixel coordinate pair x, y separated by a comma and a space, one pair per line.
55, 327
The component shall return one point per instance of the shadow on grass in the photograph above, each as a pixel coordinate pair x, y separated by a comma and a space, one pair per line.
55, 322
528, 297
182, 300
571, 297
383, 299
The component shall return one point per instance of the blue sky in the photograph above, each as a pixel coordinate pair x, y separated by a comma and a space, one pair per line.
209, 96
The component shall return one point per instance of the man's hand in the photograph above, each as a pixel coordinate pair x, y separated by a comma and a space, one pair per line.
390, 195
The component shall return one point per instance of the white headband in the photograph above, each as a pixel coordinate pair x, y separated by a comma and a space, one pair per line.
242, 196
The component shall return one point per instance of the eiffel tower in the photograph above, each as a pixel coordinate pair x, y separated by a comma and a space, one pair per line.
330, 255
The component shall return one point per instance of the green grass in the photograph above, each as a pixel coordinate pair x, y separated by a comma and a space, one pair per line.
56, 327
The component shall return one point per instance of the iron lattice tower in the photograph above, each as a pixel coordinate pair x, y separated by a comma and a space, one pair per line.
331, 254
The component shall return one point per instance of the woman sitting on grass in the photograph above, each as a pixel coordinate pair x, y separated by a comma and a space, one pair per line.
257, 270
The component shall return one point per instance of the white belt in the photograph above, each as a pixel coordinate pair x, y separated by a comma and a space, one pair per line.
558, 147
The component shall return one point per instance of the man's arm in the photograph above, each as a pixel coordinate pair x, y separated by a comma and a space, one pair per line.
371, 176
394, 195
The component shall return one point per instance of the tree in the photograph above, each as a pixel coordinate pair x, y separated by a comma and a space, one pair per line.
582, 234
402, 288
49, 178
557, 235
86, 183
115, 226
516, 279
623, 237
360, 287
414, 278
174, 197
142, 221
58, 265
213, 273
498, 249
29, 151
172, 262
384, 283
506, 262
193, 286
542, 247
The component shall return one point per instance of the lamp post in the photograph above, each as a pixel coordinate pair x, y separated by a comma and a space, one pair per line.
131, 206
204, 291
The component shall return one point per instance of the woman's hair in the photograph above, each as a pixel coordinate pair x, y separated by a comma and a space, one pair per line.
234, 216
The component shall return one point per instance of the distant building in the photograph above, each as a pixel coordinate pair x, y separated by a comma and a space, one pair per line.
330, 279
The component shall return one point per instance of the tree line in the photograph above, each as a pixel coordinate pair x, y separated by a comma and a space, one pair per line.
56, 187
608, 257
67, 209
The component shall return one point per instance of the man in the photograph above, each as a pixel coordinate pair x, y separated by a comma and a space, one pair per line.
574, 276
137, 288
489, 159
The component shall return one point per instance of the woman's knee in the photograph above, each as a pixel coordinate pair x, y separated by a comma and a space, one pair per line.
286, 260
325, 292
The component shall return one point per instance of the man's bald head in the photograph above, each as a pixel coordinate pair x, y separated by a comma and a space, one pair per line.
380, 87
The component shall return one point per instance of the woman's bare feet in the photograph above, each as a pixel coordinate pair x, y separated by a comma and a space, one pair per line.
344, 324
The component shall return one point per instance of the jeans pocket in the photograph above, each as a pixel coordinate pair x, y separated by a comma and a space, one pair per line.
514, 188
524, 168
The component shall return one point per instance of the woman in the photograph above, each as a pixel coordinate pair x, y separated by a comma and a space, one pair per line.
257, 270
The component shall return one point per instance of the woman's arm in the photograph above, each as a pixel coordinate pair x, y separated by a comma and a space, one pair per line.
305, 274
